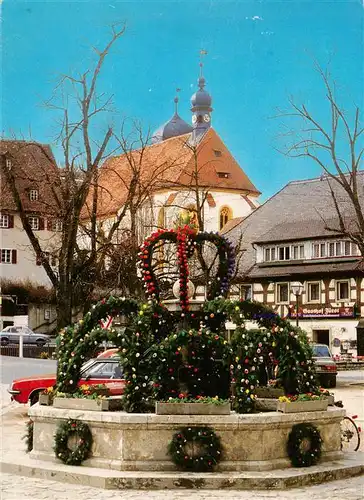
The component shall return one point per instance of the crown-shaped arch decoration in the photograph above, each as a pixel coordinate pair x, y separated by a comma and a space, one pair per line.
164, 353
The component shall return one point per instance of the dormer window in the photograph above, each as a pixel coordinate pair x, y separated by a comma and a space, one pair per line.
33, 195
217, 153
223, 175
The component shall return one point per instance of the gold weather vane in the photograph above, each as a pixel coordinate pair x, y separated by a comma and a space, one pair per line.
203, 53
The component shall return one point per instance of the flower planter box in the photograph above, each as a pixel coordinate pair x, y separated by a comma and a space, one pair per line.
269, 392
81, 404
301, 406
191, 408
45, 399
266, 404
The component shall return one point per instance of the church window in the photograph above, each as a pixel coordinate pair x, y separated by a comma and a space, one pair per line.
226, 214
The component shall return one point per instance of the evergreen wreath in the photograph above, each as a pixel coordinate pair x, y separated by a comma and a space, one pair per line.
209, 451
28, 437
297, 436
84, 443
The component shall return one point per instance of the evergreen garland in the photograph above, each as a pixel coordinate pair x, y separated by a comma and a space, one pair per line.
209, 451
64, 432
78, 343
192, 362
298, 435
253, 349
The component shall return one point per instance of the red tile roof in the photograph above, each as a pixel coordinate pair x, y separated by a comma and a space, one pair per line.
171, 164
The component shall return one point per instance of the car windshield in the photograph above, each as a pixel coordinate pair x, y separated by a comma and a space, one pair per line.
321, 351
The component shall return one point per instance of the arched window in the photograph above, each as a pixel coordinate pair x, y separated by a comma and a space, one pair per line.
225, 215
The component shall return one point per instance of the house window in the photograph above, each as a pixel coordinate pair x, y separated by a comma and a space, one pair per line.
302, 251
225, 215
34, 222
57, 225
322, 250
315, 250
223, 175
8, 256
33, 194
246, 292
272, 254
342, 290
267, 255
282, 293
284, 253
347, 249
338, 248
217, 153
4, 221
331, 249
313, 291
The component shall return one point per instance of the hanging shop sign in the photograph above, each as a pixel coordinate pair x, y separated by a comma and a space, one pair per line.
322, 312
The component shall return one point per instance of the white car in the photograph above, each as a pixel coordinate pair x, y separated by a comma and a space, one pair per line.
11, 335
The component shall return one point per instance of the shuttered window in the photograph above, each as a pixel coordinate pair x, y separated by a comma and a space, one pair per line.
8, 256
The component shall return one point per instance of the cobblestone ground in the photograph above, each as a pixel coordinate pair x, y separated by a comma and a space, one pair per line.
14, 416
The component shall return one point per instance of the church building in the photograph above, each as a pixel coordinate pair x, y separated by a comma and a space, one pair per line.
184, 170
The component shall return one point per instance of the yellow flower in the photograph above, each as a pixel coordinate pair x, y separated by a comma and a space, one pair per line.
237, 358
284, 399
84, 387
49, 390
247, 391
273, 344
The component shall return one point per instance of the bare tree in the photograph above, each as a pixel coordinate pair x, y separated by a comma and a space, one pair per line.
338, 149
83, 156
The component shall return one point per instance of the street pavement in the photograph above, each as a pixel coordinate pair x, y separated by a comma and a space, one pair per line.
13, 417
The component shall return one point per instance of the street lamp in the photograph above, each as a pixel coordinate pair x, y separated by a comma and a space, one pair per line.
297, 289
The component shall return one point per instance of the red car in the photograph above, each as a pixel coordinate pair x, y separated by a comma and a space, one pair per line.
104, 369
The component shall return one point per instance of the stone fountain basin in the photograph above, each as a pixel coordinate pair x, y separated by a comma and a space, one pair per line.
138, 442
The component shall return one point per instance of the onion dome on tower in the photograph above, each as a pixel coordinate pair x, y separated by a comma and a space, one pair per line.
173, 128
201, 107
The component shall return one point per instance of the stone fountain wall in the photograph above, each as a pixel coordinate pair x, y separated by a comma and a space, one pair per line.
125, 441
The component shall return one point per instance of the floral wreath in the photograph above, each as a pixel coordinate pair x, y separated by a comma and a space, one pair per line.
300, 434
209, 447
84, 443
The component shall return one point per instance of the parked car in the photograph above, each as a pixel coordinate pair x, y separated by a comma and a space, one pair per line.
11, 335
326, 368
101, 370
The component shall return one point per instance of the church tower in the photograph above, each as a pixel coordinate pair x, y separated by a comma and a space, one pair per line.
201, 107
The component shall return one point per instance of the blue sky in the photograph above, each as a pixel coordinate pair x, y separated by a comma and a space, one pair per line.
259, 53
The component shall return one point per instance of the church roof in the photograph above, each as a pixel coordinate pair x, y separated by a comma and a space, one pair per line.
170, 165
